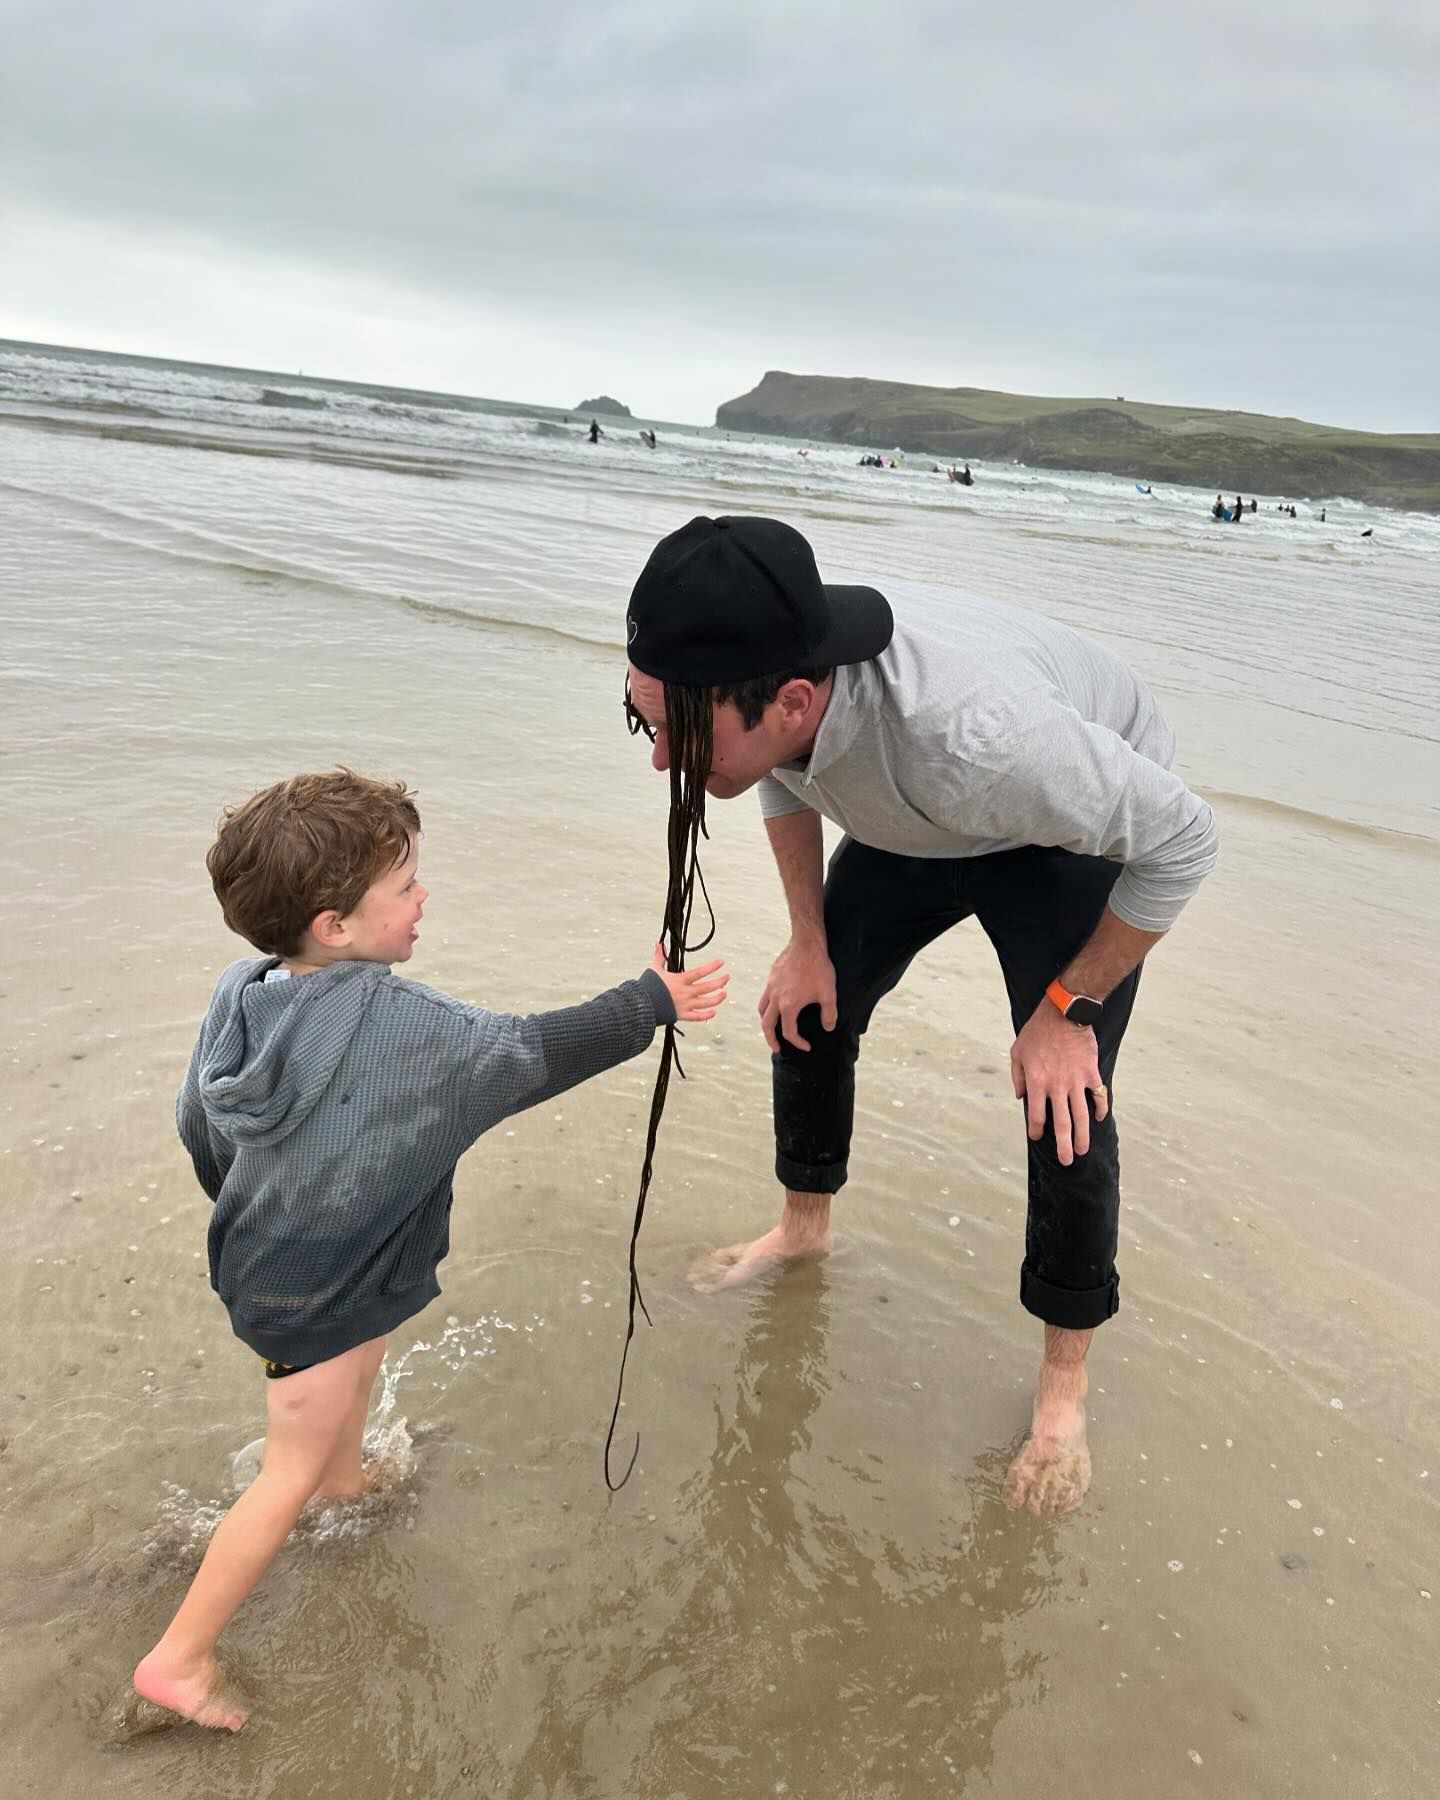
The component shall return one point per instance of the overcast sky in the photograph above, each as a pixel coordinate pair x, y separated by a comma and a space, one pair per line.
1225, 205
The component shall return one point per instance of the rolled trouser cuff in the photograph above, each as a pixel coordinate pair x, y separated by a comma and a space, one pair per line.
811, 1178
1071, 1309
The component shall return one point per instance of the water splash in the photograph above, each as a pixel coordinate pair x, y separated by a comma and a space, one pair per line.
390, 1453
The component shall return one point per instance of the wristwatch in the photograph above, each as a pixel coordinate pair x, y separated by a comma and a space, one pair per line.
1079, 1009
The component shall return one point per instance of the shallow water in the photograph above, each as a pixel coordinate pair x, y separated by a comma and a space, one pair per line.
810, 1585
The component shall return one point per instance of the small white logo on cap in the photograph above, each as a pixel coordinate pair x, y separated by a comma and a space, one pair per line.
631, 629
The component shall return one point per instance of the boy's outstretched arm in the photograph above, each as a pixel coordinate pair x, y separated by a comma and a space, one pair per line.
518, 1062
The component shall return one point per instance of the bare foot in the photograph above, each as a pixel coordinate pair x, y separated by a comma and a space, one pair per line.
743, 1263
1051, 1475
354, 1487
196, 1692
803, 1232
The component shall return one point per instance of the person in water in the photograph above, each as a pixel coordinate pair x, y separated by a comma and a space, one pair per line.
595, 432
1015, 772
1239, 509
325, 1108
1217, 511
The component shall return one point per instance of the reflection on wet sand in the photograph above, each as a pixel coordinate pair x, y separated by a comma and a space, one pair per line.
787, 1636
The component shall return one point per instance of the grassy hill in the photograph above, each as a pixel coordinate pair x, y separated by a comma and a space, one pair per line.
1226, 450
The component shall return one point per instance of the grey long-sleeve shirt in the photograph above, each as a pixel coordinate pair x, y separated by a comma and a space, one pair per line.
325, 1116
1016, 730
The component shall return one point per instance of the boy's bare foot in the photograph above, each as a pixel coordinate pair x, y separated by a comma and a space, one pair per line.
348, 1488
195, 1691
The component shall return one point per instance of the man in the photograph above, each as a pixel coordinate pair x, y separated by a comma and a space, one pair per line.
1016, 772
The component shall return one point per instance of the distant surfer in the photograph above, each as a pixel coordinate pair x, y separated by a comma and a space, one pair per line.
1217, 511
595, 433
647, 438
966, 479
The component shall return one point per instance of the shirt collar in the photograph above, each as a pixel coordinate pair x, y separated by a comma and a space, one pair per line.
837, 728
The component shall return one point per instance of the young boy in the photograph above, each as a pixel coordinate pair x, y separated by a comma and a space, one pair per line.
326, 1105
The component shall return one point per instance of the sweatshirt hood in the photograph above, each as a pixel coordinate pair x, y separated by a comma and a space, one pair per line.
270, 1049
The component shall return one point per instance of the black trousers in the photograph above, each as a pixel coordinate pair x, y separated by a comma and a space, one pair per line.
1038, 907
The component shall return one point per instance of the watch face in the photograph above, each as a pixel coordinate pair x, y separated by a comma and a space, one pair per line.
1082, 1010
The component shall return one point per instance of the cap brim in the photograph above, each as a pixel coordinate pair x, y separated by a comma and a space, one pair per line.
861, 625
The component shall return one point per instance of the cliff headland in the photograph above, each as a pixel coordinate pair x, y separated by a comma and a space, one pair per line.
1198, 446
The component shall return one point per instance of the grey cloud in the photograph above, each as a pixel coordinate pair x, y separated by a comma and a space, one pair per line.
1138, 187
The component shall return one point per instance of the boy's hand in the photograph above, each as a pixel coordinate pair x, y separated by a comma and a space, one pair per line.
696, 992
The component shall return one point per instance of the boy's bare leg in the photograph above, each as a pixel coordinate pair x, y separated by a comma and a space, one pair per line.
306, 1414
1051, 1475
343, 1477
803, 1231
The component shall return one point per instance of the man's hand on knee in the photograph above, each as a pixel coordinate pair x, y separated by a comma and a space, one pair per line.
802, 975
1056, 1064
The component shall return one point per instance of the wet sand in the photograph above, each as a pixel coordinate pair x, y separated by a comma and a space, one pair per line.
810, 1586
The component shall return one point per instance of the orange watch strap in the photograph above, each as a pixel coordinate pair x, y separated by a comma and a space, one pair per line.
1058, 997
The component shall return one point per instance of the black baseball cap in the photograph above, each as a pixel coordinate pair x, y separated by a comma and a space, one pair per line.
724, 600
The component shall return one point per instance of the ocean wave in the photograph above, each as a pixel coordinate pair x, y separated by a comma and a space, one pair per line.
461, 615
216, 553
302, 402
1417, 843
388, 457
417, 415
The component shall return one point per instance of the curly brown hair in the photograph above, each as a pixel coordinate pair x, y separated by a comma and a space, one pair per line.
307, 845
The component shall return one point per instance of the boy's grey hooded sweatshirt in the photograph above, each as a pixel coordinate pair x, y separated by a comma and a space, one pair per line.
325, 1116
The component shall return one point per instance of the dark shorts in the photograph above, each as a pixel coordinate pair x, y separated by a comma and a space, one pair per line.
277, 1371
